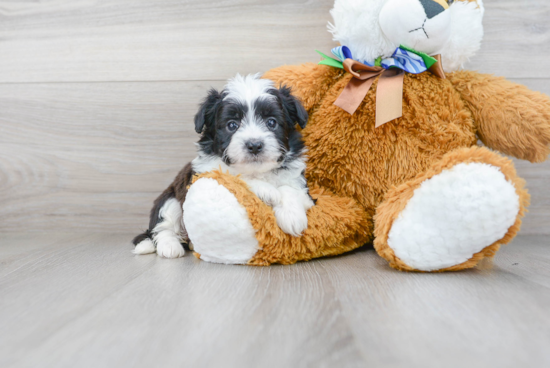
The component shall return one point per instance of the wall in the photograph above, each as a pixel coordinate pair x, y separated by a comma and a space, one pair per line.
97, 97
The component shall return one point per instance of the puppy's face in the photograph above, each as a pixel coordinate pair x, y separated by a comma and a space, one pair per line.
251, 125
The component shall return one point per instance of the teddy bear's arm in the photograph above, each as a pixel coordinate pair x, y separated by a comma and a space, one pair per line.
309, 82
509, 117
228, 223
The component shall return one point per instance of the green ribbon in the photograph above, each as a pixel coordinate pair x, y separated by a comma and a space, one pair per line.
327, 60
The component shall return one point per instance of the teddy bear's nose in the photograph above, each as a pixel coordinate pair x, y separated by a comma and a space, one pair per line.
432, 8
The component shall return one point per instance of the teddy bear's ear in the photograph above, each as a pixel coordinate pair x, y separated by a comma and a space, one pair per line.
293, 107
207, 111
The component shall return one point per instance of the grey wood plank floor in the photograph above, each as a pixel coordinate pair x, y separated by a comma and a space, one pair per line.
84, 300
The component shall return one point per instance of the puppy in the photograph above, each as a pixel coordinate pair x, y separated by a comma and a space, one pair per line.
249, 129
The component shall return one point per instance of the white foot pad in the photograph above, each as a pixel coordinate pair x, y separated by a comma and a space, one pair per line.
454, 215
218, 224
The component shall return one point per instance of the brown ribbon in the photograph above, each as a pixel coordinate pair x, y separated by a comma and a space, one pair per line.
389, 93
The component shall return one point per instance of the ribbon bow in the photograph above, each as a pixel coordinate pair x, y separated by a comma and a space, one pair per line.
389, 94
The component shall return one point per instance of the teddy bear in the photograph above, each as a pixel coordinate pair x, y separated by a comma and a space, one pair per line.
429, 184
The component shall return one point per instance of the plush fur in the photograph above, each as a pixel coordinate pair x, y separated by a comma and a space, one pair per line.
368, 180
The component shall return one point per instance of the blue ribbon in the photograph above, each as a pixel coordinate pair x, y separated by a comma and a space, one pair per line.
402, 58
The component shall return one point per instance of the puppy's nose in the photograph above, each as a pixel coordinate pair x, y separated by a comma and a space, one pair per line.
433, 7
254, 147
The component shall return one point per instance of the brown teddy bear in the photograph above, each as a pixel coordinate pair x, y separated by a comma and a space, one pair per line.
418, 185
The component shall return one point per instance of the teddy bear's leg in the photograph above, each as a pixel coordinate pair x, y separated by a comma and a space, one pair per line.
228, 223
453, 215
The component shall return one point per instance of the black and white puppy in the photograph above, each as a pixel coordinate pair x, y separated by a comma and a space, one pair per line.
249, 129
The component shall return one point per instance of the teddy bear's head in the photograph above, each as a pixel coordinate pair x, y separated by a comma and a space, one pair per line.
375, 28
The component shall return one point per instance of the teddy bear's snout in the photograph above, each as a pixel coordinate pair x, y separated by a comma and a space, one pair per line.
423, 25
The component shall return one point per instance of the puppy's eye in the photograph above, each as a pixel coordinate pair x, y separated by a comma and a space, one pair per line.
271, 123
450, 1
232, 125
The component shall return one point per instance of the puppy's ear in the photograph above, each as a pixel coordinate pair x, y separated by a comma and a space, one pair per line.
294, 107
208, 110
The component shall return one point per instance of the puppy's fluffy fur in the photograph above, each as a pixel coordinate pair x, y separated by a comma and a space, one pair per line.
249, 129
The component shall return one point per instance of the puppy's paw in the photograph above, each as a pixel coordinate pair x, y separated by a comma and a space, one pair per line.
291, 219
146, 246
266, 192
307, 201
170, 248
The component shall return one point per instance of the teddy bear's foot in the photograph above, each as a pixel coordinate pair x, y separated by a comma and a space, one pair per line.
218, 224
453, 216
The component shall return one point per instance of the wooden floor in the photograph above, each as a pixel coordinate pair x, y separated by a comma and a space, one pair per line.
85, 301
